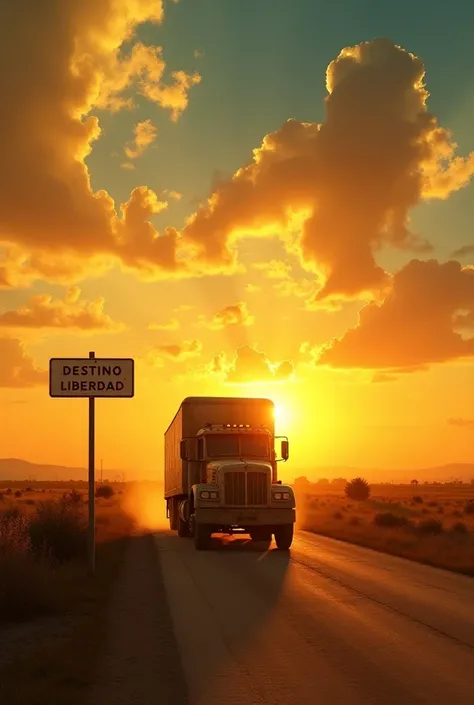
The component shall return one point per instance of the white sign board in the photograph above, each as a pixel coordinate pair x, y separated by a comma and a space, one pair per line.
91, 377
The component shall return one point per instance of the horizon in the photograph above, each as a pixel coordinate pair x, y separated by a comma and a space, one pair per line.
292, 221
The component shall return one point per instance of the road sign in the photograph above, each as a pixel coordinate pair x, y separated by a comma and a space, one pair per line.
91, 377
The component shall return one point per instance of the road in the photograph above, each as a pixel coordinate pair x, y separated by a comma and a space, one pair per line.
329, 624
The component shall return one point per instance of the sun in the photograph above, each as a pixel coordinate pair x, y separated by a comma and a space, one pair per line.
281, 415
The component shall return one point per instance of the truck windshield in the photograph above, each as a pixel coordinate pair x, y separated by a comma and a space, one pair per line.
230, 445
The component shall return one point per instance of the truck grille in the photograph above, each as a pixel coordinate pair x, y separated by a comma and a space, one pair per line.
234, 488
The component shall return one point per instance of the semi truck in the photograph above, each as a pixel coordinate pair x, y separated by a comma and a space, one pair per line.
220, 472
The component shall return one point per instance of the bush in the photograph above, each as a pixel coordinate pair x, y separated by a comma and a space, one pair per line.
72, 498
389, 520
357, 489
18, 494
59, 531
417, 499
430, 526
459, 527
8, 491
105, 491
337, 515
354, 521
469, 508
14, 536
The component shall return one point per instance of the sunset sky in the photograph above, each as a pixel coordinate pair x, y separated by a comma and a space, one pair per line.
248, 197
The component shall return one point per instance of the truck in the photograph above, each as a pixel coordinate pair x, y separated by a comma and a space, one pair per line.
220, 472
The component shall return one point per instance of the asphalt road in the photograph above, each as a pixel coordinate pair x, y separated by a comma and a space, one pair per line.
328, 624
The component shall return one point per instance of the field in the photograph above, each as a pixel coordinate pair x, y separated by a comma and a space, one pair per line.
52, 613
432, 524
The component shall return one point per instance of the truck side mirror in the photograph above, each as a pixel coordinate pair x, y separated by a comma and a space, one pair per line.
183, 449
285, 450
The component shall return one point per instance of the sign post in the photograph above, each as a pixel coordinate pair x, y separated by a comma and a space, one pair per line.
91, 377
91, 480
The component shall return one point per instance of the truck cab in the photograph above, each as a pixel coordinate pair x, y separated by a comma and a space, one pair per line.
234, 487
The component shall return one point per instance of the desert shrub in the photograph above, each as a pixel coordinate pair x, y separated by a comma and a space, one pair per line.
18, 493
469, 508
10, 513
389, 520
8, 491
30, 501
425, 511
2, 496
337, 515
105, 491
417, 499
354, 521
459, 528
357, 489
432, 503
440, 509
14, 536
457, 513
59, 531
28, 489
430, 526
72, 498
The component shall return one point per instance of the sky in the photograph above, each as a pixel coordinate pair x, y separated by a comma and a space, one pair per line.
249, 198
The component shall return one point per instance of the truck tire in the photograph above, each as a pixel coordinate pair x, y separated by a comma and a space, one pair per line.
202, 536
173, 514
262, 536
183, 528
284, 536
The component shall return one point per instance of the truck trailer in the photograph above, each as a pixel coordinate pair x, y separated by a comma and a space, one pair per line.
220, 472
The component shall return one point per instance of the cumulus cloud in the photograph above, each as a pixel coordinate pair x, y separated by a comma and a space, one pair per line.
464, 251
178, 352
248, 365
426, 318
275, 269
47, 205
173, 324
43, 311
234, 315
461, 423
18, 369
356, 176
144, 134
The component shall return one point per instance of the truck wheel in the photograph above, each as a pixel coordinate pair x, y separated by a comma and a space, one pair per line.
173, 513
202, 536
284, 536
183, 528
262, 536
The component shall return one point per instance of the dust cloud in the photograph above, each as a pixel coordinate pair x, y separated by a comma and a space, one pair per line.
145, 504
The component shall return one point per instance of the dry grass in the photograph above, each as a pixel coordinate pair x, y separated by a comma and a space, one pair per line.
428, 524
56, 661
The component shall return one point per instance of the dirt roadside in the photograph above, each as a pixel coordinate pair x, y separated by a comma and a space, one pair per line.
141, 664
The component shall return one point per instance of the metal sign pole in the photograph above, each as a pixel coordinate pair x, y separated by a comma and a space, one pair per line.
91, 533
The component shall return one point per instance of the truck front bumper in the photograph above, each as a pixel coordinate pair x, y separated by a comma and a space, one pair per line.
244, 516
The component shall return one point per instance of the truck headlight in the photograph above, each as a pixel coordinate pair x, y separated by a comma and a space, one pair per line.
281, 495
209, 494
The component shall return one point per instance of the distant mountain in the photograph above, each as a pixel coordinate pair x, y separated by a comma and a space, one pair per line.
16, 469
438, 473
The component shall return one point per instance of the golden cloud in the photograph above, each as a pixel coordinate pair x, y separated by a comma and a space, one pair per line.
420, 322
144, 134
18, 369
171, 325
357, 175
249, 365
47, 206
234, 315
461, 423
178, 352
43, 311
275, 269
